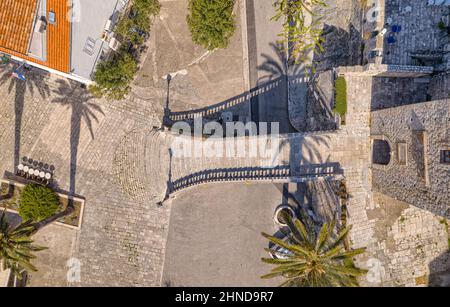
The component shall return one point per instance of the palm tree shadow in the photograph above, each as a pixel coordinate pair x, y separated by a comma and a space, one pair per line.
280, 66
33, 83
72, 95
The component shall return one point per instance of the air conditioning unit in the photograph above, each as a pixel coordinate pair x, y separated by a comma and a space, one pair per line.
109, 26
114, 44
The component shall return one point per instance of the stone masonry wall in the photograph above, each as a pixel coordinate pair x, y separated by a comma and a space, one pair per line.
404, 182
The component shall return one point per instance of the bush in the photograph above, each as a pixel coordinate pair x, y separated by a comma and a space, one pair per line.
211, 22
340, 105
135, 24
113, 77
38, 203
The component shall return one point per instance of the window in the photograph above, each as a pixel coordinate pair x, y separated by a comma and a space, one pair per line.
52, 17
445, 156
402, 153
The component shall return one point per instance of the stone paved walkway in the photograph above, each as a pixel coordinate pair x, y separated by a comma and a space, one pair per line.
122, 239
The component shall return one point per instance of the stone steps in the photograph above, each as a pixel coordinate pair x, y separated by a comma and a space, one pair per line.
142, 164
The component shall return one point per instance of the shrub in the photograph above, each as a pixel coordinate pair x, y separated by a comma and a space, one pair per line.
211, 22
135, 24
112, 78
38, 203
340, 105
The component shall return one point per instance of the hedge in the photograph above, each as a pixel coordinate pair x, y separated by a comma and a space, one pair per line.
38, 203
340, 105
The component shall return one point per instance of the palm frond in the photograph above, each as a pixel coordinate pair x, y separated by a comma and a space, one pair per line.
314, 260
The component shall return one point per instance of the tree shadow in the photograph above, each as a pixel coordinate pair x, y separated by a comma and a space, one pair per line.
78, 99
341, 47
317, 199
35, 82
279, 66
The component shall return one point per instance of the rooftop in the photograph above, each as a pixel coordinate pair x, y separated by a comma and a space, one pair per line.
57, 33
16, 22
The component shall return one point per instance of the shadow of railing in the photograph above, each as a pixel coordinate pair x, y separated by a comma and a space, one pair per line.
276, 174
213, 111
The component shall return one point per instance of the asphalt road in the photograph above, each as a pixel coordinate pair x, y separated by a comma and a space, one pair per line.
267, 66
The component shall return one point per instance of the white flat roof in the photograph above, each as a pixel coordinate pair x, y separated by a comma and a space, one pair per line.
88, 24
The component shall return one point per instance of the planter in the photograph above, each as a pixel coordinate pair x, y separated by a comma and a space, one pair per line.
9, 200
283, 208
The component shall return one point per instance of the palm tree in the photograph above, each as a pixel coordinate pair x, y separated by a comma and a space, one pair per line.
307, 258
32, 83
299, 33
16, 246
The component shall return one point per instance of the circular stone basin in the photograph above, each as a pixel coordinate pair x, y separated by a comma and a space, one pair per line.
278, 217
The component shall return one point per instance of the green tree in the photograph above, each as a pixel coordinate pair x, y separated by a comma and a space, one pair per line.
16, 247
112, 78
301, 30
135, 24
38, 203
313, 259
211, 22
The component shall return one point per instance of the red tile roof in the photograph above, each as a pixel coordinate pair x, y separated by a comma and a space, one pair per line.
16, 24
58, 34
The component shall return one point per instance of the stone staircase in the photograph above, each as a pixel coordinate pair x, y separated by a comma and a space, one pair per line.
214, 112
284, 165
141, 163
149, 163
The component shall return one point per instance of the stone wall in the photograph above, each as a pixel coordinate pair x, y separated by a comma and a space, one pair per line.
408, 246
439, 87
406, 182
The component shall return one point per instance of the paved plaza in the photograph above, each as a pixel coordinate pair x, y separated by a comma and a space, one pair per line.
115, 154
120, 235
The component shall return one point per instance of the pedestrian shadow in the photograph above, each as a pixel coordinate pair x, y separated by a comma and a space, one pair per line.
78, 100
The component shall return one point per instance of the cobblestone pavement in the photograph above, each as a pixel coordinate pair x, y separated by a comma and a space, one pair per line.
122, 239
420, 32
